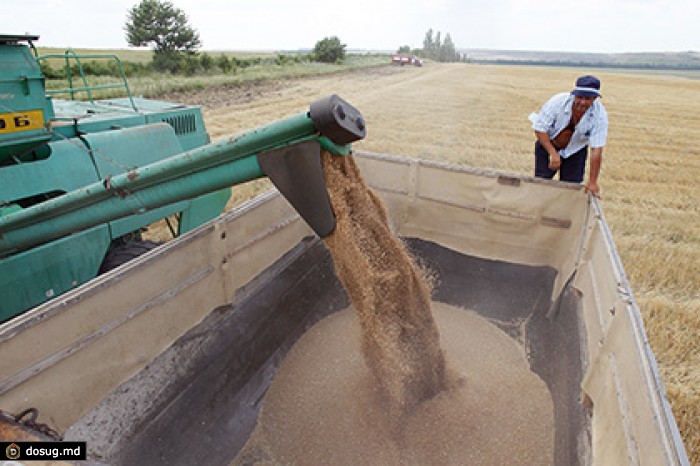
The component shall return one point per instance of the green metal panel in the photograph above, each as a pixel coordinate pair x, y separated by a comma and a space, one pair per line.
118, 151
23, 107
188, 126
4, 210
68, 167
187, 121
95, 117
203, 209
111, 114
32, 277
141, 219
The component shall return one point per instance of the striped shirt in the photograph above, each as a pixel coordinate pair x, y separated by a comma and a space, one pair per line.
555, 116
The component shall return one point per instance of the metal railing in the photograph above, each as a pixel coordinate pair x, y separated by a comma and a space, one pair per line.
72, 90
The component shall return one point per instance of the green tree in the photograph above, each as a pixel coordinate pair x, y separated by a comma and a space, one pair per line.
448, 52
206, 62
329, 50
225, 64
404, 49
437, 44
428, 43
165, 28
443, 50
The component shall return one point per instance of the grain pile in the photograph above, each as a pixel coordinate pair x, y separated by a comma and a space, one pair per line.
323, 406
372, 384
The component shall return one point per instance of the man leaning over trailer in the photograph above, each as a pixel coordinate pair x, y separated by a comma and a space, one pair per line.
565, 127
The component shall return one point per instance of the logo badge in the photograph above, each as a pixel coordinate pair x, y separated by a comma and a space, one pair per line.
13, 452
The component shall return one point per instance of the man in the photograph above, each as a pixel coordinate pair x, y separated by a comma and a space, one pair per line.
567, 124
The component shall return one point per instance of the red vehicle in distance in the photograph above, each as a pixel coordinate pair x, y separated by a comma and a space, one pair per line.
406, 60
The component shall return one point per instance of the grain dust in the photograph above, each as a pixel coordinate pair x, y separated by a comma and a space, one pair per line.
400, 341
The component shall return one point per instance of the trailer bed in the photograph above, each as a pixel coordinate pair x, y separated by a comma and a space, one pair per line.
167, 359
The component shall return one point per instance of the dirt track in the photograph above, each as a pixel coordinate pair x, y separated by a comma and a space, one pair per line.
249, 92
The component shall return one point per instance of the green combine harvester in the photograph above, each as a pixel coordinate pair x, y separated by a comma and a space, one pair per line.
81, 179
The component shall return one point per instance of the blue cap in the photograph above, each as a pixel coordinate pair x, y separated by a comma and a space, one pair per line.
587, 86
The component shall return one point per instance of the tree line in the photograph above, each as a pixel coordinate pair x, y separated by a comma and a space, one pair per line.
436, 48
592, 64
175, 43
180, 64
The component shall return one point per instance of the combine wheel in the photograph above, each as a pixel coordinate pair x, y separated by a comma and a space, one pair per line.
125, 252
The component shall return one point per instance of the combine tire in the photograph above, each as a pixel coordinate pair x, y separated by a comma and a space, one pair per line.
125, 252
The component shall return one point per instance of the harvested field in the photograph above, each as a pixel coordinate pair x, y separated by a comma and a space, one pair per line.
476, 115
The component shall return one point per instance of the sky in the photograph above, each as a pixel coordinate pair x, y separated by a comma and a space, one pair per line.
607, 26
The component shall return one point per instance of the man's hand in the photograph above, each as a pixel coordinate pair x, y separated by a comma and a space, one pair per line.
554, 161
593, 188
596, 162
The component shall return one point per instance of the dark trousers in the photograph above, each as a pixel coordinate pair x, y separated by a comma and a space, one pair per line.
572, 168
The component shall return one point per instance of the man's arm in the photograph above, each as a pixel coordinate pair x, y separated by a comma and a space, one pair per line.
554, 158
594, 171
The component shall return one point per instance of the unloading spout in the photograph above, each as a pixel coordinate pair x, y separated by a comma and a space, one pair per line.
296, 169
